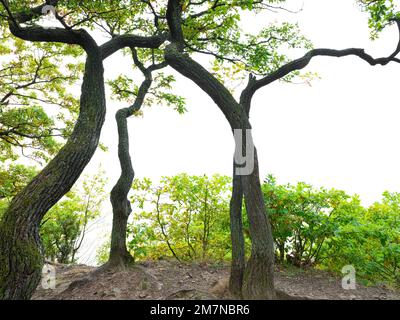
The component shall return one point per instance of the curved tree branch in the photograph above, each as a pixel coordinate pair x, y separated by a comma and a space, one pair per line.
79, 37
130, 40
298, 64
38, 33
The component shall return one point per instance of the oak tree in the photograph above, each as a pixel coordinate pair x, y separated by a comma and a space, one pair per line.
21, 256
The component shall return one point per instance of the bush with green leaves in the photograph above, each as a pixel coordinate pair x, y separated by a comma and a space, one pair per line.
13, 178
329, 229
302, 219
368, 239
186, 217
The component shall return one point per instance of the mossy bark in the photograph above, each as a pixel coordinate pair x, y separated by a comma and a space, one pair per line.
120, 257
24, 255
20, 249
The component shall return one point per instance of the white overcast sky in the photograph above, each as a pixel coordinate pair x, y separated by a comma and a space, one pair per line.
341, 132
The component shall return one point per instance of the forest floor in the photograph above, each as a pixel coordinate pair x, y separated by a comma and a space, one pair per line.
158, 280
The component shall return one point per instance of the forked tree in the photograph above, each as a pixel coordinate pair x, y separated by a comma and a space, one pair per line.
21, 257
253, 280
190, 27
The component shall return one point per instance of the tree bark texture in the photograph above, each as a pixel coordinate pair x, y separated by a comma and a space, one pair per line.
119, 254
21, 258
237, 238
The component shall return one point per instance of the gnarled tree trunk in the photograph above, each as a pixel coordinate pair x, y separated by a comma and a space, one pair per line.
21, 257
119, 255
258, 281
237, 238
258, 277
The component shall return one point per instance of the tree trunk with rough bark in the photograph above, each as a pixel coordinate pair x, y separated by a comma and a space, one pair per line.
119, 255
21, 258
257, 277
258, 281
237, 238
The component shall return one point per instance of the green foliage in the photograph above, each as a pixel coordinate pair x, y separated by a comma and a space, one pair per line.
329, 229
184, 216
14, 178
64, 226
262, 53
214, 29
123, 88
382, 13
62, 229
302, 218
103, 253
36, 106
3, 207
370, 241
26, 128
315, 227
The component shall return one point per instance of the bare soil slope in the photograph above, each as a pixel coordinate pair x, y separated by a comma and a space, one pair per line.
170, 280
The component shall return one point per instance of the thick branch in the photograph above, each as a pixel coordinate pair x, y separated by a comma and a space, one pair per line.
207, 82
174, 11
305, 60
34, 12
40, 34
195, 71
129, 40
298, 64
79, 37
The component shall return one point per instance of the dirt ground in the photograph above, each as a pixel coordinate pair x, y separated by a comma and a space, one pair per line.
159, 280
